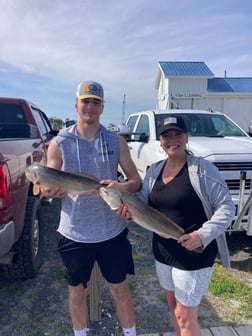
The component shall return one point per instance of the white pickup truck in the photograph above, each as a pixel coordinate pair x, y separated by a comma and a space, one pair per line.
213, 136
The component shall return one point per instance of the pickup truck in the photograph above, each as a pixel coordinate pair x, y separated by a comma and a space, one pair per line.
25, 133
212, 135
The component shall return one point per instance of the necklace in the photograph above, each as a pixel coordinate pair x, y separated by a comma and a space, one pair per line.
170, 172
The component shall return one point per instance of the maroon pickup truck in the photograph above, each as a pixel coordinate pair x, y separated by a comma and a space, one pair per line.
25, 133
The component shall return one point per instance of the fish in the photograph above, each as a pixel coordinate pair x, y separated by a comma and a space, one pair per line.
73, 183
142, 213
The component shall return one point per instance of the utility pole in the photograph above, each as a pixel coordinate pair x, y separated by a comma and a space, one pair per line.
123, 109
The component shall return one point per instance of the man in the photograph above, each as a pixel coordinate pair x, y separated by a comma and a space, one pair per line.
89, 230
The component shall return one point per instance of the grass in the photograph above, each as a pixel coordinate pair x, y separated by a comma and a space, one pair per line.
228, 286
13, 291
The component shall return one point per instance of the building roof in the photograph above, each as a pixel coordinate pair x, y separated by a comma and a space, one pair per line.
200, 69
230, 84
186, 69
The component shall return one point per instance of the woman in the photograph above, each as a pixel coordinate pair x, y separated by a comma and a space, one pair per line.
190, 191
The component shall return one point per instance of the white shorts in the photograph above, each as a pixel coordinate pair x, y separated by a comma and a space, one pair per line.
188, 286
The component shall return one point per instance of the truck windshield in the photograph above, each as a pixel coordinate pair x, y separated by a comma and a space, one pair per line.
207, 125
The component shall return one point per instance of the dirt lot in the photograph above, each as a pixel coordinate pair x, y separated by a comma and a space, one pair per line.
38, 307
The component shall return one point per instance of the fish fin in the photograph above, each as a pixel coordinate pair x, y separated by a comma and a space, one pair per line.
36, 189
91, 177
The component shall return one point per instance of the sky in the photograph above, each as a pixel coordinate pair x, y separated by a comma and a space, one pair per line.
47, 47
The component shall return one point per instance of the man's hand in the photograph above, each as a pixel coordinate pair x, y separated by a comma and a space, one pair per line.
112, 184
53, 192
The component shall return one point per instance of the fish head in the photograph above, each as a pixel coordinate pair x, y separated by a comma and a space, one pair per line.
31, 174
111, 196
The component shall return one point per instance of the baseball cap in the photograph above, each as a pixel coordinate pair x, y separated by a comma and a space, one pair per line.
172, 123
90, 89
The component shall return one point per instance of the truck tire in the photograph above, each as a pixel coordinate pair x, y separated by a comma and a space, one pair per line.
29, 248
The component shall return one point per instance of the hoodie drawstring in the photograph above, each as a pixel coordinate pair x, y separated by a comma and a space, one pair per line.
78, 153
101, 145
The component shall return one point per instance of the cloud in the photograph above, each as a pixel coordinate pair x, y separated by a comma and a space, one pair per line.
51, 46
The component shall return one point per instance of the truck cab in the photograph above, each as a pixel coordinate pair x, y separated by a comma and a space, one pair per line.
25, 134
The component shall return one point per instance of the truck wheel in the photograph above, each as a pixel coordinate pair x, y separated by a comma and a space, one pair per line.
29, 248
120, 177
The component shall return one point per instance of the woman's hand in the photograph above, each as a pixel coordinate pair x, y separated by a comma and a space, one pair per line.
123, 212
190, 241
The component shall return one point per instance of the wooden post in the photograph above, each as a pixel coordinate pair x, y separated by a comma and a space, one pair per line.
95, 293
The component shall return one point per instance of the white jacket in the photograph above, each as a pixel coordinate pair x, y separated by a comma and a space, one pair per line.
213, 192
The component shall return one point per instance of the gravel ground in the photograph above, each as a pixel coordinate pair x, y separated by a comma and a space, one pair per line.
39, 307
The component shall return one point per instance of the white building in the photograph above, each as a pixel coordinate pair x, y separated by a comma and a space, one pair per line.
192, 85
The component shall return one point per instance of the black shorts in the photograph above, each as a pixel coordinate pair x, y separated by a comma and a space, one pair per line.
114, 257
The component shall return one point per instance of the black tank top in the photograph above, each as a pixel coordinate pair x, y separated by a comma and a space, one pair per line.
178, 200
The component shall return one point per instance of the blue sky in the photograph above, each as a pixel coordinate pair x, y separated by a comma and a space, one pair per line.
48, 47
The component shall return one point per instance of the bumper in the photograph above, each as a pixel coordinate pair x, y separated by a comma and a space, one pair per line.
6, 237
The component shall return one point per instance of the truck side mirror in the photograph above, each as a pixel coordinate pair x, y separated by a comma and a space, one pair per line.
54, 132
143, 137
124, 129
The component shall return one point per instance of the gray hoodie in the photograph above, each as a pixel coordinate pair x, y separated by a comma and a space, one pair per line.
87, 218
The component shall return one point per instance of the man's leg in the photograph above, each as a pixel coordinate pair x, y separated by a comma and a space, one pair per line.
78, 306
124, 306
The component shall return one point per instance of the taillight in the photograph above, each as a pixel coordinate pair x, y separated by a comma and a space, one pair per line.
5, 192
